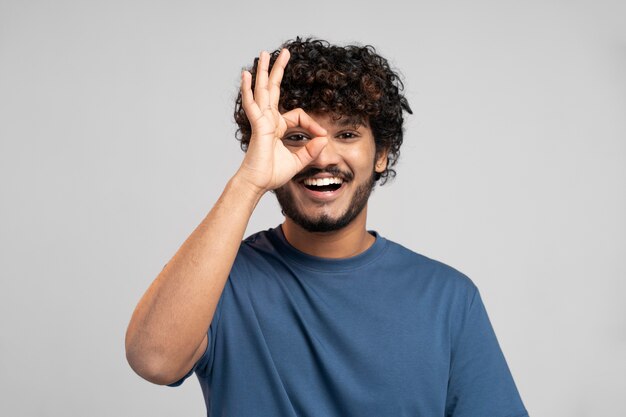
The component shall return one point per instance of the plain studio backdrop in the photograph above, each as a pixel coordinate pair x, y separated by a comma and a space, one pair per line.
117, 138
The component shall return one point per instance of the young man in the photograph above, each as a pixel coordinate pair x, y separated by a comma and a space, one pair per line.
318, 317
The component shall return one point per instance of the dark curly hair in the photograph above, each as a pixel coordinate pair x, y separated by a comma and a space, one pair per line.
349, 81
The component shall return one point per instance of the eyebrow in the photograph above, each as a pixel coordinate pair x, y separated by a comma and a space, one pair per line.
352, 121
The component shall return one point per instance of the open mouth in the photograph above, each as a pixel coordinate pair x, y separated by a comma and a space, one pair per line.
323, 184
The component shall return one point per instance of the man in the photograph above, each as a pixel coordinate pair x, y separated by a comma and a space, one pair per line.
318, 317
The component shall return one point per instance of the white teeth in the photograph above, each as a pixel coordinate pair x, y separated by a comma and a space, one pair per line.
322, 181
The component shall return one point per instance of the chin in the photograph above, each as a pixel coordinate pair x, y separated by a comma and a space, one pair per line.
324, 222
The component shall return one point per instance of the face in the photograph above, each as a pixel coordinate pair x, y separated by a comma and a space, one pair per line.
332, 191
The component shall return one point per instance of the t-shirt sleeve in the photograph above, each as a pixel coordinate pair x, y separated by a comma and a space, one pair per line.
201, 363
480, 382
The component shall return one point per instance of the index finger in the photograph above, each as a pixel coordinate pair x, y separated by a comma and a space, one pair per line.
276, 76
298, 117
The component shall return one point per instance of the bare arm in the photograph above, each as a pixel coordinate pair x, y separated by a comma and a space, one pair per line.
167, 332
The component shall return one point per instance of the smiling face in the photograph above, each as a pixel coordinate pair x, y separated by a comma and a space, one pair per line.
332, 191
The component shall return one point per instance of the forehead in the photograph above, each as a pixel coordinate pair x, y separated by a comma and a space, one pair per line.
340, 120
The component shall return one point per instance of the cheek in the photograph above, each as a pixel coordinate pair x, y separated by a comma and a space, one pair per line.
293, 191
364, 160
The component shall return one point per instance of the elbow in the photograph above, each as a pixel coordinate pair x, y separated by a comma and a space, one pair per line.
151, 366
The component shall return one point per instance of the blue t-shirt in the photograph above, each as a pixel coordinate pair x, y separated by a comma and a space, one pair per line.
387, 333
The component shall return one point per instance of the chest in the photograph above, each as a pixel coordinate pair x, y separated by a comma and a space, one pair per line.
381, 344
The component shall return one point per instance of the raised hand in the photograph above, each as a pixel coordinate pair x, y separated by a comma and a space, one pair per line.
268, 164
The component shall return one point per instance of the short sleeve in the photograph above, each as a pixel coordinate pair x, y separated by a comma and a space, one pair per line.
480, 382
201, 363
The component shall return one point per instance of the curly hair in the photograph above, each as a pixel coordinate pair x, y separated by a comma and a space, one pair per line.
349, 81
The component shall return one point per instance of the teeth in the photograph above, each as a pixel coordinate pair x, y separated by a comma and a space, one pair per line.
322, 181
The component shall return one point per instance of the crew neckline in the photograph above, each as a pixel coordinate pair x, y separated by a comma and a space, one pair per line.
327, 264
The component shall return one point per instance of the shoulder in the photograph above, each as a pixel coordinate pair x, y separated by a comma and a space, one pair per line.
263, 243
401, 258
258, 250
439, 287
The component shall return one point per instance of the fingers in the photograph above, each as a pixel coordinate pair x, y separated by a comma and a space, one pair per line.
276, 76
266, 87
261, 91
310, 151
298, 117
305, 154
247, 99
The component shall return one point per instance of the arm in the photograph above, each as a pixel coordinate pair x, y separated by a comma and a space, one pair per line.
167, 332
480, 382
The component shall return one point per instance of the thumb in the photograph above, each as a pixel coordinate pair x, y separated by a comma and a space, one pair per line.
310, 151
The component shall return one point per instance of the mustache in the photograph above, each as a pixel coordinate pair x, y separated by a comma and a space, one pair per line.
332, 170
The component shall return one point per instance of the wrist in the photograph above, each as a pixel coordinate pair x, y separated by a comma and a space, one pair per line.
245, 188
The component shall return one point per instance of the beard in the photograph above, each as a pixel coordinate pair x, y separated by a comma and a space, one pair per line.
324, 222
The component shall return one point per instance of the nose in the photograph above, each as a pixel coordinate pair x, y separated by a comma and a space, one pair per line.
328, 156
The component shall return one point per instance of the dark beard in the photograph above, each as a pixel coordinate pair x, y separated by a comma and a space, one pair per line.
325, 223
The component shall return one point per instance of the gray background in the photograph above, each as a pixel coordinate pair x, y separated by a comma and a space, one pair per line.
117, 137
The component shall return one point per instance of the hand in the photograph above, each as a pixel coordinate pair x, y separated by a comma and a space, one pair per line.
268, 164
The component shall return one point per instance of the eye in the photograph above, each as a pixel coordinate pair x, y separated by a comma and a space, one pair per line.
295, 137
348, 135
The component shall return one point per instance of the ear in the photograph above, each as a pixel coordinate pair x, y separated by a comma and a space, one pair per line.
381, 160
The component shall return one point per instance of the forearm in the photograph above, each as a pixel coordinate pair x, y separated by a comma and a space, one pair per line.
172, 318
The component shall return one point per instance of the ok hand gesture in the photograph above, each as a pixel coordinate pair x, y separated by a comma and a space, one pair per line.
268, 164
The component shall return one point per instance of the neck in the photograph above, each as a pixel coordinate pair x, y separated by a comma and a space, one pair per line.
344, 243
